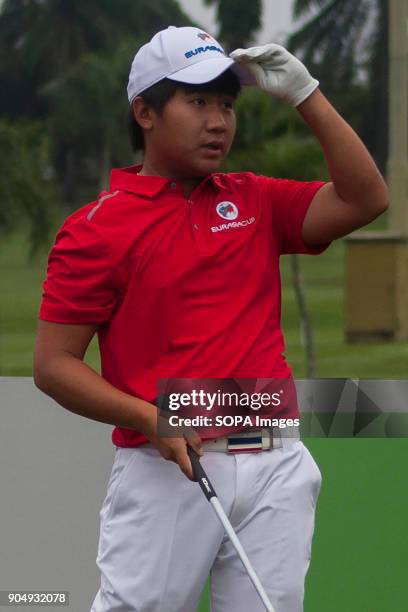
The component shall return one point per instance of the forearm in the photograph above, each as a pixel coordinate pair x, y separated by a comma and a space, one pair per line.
352, 170
79, 389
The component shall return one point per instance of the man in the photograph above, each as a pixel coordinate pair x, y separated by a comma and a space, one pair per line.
176, 269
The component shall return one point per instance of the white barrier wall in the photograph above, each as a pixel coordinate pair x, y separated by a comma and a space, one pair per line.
54, 468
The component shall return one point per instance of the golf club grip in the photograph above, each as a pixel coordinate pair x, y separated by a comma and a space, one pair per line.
200, 475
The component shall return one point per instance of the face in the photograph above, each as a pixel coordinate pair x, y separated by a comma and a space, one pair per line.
193, 135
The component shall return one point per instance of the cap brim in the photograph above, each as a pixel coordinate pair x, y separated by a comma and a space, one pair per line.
208, 70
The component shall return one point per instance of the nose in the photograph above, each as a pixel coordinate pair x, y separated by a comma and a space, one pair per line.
216, 121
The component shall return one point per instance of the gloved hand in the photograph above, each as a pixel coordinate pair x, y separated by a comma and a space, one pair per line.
277, 72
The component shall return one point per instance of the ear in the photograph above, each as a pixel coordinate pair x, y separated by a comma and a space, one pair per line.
142, 113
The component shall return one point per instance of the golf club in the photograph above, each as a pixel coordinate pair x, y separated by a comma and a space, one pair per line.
208, 490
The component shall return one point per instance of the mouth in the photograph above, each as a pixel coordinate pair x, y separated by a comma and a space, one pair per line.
215, 148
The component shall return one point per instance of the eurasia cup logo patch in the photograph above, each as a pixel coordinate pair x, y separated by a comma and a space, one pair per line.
204, 36
227, 210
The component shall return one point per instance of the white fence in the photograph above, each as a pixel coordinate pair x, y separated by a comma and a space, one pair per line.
54, 468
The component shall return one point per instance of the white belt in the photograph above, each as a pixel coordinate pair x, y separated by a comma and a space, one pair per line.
251, 441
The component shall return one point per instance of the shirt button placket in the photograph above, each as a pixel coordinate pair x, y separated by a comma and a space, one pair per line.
195, 225
199, 237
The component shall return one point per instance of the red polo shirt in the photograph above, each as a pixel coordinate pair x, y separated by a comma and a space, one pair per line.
181, 288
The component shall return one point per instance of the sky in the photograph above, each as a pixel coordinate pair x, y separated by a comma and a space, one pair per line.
276, 18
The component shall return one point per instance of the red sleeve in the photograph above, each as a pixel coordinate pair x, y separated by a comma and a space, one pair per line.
79, 287
289, 202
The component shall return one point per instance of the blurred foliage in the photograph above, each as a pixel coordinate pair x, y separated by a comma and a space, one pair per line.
27, 191
284, 157
345, 46
89, 108
48, 50
238, 20
273, 140
40, 40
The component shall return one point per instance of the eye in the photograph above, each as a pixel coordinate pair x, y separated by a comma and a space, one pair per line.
198, 101
229, 104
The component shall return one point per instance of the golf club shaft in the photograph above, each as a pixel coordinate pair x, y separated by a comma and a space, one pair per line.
209, 492
241, 553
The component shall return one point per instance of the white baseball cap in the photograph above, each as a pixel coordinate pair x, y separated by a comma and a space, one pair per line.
187, 55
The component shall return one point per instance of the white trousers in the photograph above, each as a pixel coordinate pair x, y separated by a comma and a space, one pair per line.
160, 538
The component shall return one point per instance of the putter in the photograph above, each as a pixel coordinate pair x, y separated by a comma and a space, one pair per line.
208, 490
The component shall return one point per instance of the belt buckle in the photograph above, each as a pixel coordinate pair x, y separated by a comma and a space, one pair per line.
250, 442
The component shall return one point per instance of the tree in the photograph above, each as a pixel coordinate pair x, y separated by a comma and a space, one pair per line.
41, 41
27, 191
345, 43
239, 20
51, 36
90, 107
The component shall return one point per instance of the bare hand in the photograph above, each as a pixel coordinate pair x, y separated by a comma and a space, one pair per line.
174, 447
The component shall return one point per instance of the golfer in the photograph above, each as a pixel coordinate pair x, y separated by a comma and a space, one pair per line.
176, 269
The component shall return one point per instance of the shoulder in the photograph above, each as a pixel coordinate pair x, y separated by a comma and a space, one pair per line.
101, 218
103, 211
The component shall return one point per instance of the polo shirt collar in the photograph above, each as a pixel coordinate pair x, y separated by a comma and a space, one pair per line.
128, 179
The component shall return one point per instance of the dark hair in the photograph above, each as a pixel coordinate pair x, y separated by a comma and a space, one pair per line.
159, 94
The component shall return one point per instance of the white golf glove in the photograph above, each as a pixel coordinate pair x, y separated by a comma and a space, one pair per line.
277, 72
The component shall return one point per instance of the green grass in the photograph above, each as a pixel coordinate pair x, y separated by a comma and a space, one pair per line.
359, 549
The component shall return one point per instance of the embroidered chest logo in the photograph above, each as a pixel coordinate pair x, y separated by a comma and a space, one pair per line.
227, 210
